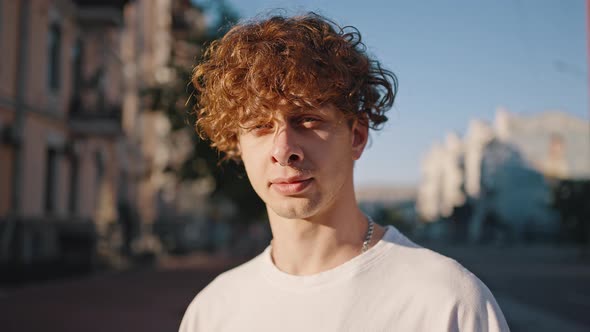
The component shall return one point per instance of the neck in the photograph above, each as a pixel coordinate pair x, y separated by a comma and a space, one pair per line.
322, 242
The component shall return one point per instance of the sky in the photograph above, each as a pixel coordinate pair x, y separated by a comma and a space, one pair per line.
457, 60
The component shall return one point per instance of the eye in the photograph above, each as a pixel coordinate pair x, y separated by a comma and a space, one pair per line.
260, 128
263, 126
308, 121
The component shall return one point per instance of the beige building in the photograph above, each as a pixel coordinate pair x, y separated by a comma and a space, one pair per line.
506, 172
77, 137
63, 147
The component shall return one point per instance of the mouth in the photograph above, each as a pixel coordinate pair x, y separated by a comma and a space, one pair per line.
291, 186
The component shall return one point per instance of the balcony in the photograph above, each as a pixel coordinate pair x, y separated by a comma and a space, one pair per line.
101, 11
99, 121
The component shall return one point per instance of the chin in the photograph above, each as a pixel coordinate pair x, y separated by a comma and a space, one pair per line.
299, 209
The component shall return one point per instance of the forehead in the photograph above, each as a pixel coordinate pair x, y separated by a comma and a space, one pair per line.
284, 110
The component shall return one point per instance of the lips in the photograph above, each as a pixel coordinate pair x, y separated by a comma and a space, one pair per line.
291, 186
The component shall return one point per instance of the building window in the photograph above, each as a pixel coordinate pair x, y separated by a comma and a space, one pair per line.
99, 164
74, 178
54, 58
50, 179
77, 54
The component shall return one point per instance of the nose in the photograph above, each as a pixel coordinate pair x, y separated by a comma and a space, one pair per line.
286, 150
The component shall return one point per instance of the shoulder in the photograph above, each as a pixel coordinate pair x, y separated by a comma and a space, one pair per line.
424, 264
439, 273
444, 285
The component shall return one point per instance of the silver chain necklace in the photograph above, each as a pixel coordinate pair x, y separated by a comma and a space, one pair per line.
368, 236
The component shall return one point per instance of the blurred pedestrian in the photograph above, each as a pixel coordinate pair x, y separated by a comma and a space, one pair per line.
128, 225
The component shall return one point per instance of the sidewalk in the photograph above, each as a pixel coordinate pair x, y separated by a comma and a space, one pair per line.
145, 299
539, 288
522, 318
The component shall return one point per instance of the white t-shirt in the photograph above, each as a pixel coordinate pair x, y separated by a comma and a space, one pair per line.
394, 286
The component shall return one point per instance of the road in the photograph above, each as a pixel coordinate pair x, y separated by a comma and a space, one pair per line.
538, 290
144, 300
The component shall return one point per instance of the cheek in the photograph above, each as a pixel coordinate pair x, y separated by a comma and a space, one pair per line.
335, 157
249, 164
340, 147
248, 152
254, 169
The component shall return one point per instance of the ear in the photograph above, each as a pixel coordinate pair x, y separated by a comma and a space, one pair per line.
360, 136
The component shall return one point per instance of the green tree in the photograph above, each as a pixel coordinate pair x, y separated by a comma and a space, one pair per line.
177, 98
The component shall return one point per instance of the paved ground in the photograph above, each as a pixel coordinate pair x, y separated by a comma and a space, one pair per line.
537, 290
143, 300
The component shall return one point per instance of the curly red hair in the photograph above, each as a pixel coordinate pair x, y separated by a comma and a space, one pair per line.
287, 62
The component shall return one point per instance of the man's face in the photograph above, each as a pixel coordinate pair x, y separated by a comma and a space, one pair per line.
301, 164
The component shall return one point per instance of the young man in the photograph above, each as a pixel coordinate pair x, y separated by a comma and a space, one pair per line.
293, 98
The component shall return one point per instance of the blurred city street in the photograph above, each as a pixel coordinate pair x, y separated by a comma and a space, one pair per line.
548, 291
103, 176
